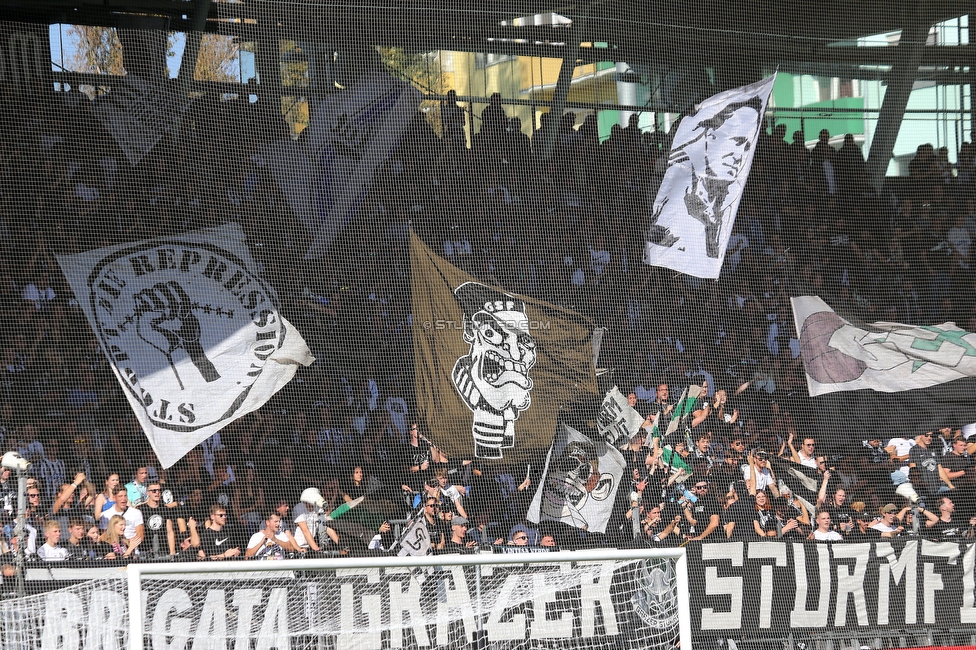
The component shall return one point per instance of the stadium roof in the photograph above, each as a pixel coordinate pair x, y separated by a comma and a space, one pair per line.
753, 35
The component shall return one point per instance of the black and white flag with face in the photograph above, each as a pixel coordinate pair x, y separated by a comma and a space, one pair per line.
579, 483
710, 159
193, 334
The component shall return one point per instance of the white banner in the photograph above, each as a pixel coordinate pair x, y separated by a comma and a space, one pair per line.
138, 113
327, 172
193, 335
617, 421
886, 357
707, 169
584, 604
579, 483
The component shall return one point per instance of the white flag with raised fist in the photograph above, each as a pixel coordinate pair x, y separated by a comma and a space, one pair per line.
194, 336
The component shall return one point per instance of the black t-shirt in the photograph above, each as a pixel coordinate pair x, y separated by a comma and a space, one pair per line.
410, 456
765, 518
154, 522
841, 515
927, 463
742, 512
702, 511
454, 547
214, 542
659, 407
83, 550
948, 531
956, 462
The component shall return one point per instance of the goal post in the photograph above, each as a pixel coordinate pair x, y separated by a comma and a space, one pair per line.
635, 598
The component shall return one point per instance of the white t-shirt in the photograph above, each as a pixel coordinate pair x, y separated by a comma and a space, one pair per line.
311, 519
883, 527
269, 550
52, 553
829, 536
451, 493
763, 480
133, 518
107, 515
807, 461
902, 447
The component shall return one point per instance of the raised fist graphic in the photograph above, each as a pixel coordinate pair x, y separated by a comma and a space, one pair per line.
165, 320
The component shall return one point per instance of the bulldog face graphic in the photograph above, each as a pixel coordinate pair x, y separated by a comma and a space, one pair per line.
572, 480
493, 378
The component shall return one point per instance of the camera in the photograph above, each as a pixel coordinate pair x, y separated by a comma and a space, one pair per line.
13, 460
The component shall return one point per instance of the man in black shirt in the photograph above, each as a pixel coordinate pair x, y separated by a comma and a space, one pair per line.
216, 542
158, 523
705, 514
927, 463
958, 465
842, 516
662, 404
78, 545
460, 541
945, 527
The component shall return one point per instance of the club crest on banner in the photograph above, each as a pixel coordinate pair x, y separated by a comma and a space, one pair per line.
493, 378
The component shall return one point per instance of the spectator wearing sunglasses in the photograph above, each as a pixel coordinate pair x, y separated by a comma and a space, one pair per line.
704, 515
758, 474
159, 523
436, 528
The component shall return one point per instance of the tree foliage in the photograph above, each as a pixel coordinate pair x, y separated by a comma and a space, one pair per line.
218, 59
98, 50
423, 71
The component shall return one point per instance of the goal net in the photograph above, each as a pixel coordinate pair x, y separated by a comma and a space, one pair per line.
598, 599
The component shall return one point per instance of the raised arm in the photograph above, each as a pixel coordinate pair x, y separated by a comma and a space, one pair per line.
822, 495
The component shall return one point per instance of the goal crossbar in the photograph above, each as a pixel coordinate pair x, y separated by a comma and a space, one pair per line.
135, 572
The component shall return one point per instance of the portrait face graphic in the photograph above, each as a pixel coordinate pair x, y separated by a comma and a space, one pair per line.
572, 480
502, 353
727, 142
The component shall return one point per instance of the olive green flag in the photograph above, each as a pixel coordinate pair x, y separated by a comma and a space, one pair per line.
493, 369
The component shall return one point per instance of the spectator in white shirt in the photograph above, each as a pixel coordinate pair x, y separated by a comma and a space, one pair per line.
806, 454
50, 551
823, 533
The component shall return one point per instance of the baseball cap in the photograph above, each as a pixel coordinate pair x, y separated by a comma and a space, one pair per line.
459, 521
761, 453
888, 508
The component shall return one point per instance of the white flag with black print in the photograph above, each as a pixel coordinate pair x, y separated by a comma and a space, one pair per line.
326, 173
415, 541
710, 159
193, 334
138, 113
618, 422
580, 482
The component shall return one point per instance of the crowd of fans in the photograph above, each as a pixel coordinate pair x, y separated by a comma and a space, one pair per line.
566, 228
